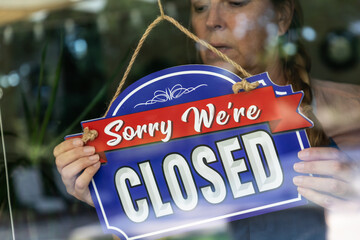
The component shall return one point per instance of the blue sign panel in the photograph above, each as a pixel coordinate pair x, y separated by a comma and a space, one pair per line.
180, 150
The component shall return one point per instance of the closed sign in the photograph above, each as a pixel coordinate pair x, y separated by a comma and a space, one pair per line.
180, 150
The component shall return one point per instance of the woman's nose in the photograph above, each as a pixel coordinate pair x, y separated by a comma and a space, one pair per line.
214, 20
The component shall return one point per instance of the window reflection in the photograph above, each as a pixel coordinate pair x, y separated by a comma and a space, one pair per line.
98, 37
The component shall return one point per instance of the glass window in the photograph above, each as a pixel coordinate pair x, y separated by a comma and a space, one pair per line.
62, 61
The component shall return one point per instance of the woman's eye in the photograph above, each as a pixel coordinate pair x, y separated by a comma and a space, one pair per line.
199, 8
238, 3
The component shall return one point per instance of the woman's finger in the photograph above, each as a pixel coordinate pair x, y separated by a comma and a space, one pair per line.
333, 168
73, 155
332, 186
323, 200
67, 145
72, 170
82, 191
321, 153
73, 175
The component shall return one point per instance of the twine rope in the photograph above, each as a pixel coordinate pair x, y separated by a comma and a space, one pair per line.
162, 14
245, 85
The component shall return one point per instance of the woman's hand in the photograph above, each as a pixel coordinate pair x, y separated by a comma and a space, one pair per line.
77, 164
333, 185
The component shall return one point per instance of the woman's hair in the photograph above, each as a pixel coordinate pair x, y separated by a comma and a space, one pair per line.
297, 70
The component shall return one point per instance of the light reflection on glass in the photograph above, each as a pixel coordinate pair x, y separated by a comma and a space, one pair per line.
80, 48
4, 81
309, 34
24, 69
355, 27
14, 79
290, 48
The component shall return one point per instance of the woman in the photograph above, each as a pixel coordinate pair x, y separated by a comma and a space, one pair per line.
257, 47
252, 33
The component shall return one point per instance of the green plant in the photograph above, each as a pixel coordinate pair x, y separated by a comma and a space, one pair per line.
36, 124
37, 143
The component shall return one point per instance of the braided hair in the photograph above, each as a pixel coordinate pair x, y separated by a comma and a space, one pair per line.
297, 68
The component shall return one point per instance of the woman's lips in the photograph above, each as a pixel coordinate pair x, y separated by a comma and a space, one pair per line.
222, 48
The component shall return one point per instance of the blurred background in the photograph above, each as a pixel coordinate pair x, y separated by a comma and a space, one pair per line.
60, 63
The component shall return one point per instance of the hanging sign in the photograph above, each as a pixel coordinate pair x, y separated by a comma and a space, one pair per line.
180, 151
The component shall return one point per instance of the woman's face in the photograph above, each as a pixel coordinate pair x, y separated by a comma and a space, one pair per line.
245, 30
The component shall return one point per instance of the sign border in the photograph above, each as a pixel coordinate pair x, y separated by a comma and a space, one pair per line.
227, 216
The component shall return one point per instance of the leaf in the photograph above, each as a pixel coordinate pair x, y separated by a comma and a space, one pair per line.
36, 122
28, 116
94, 101
90, 106
54, 91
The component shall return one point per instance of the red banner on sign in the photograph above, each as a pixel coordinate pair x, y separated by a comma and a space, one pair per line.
204, 116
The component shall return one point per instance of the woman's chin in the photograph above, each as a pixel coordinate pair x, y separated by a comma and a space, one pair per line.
222, 64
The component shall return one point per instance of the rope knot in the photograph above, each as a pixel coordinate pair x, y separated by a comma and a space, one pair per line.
244, 85
89, 135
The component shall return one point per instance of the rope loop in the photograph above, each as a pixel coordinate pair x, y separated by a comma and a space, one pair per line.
237, 87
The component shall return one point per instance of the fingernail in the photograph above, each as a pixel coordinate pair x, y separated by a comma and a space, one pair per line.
77, 142
303, 154
94, 158
299, 166
89, 149
301, 190
96, 165
297, 180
